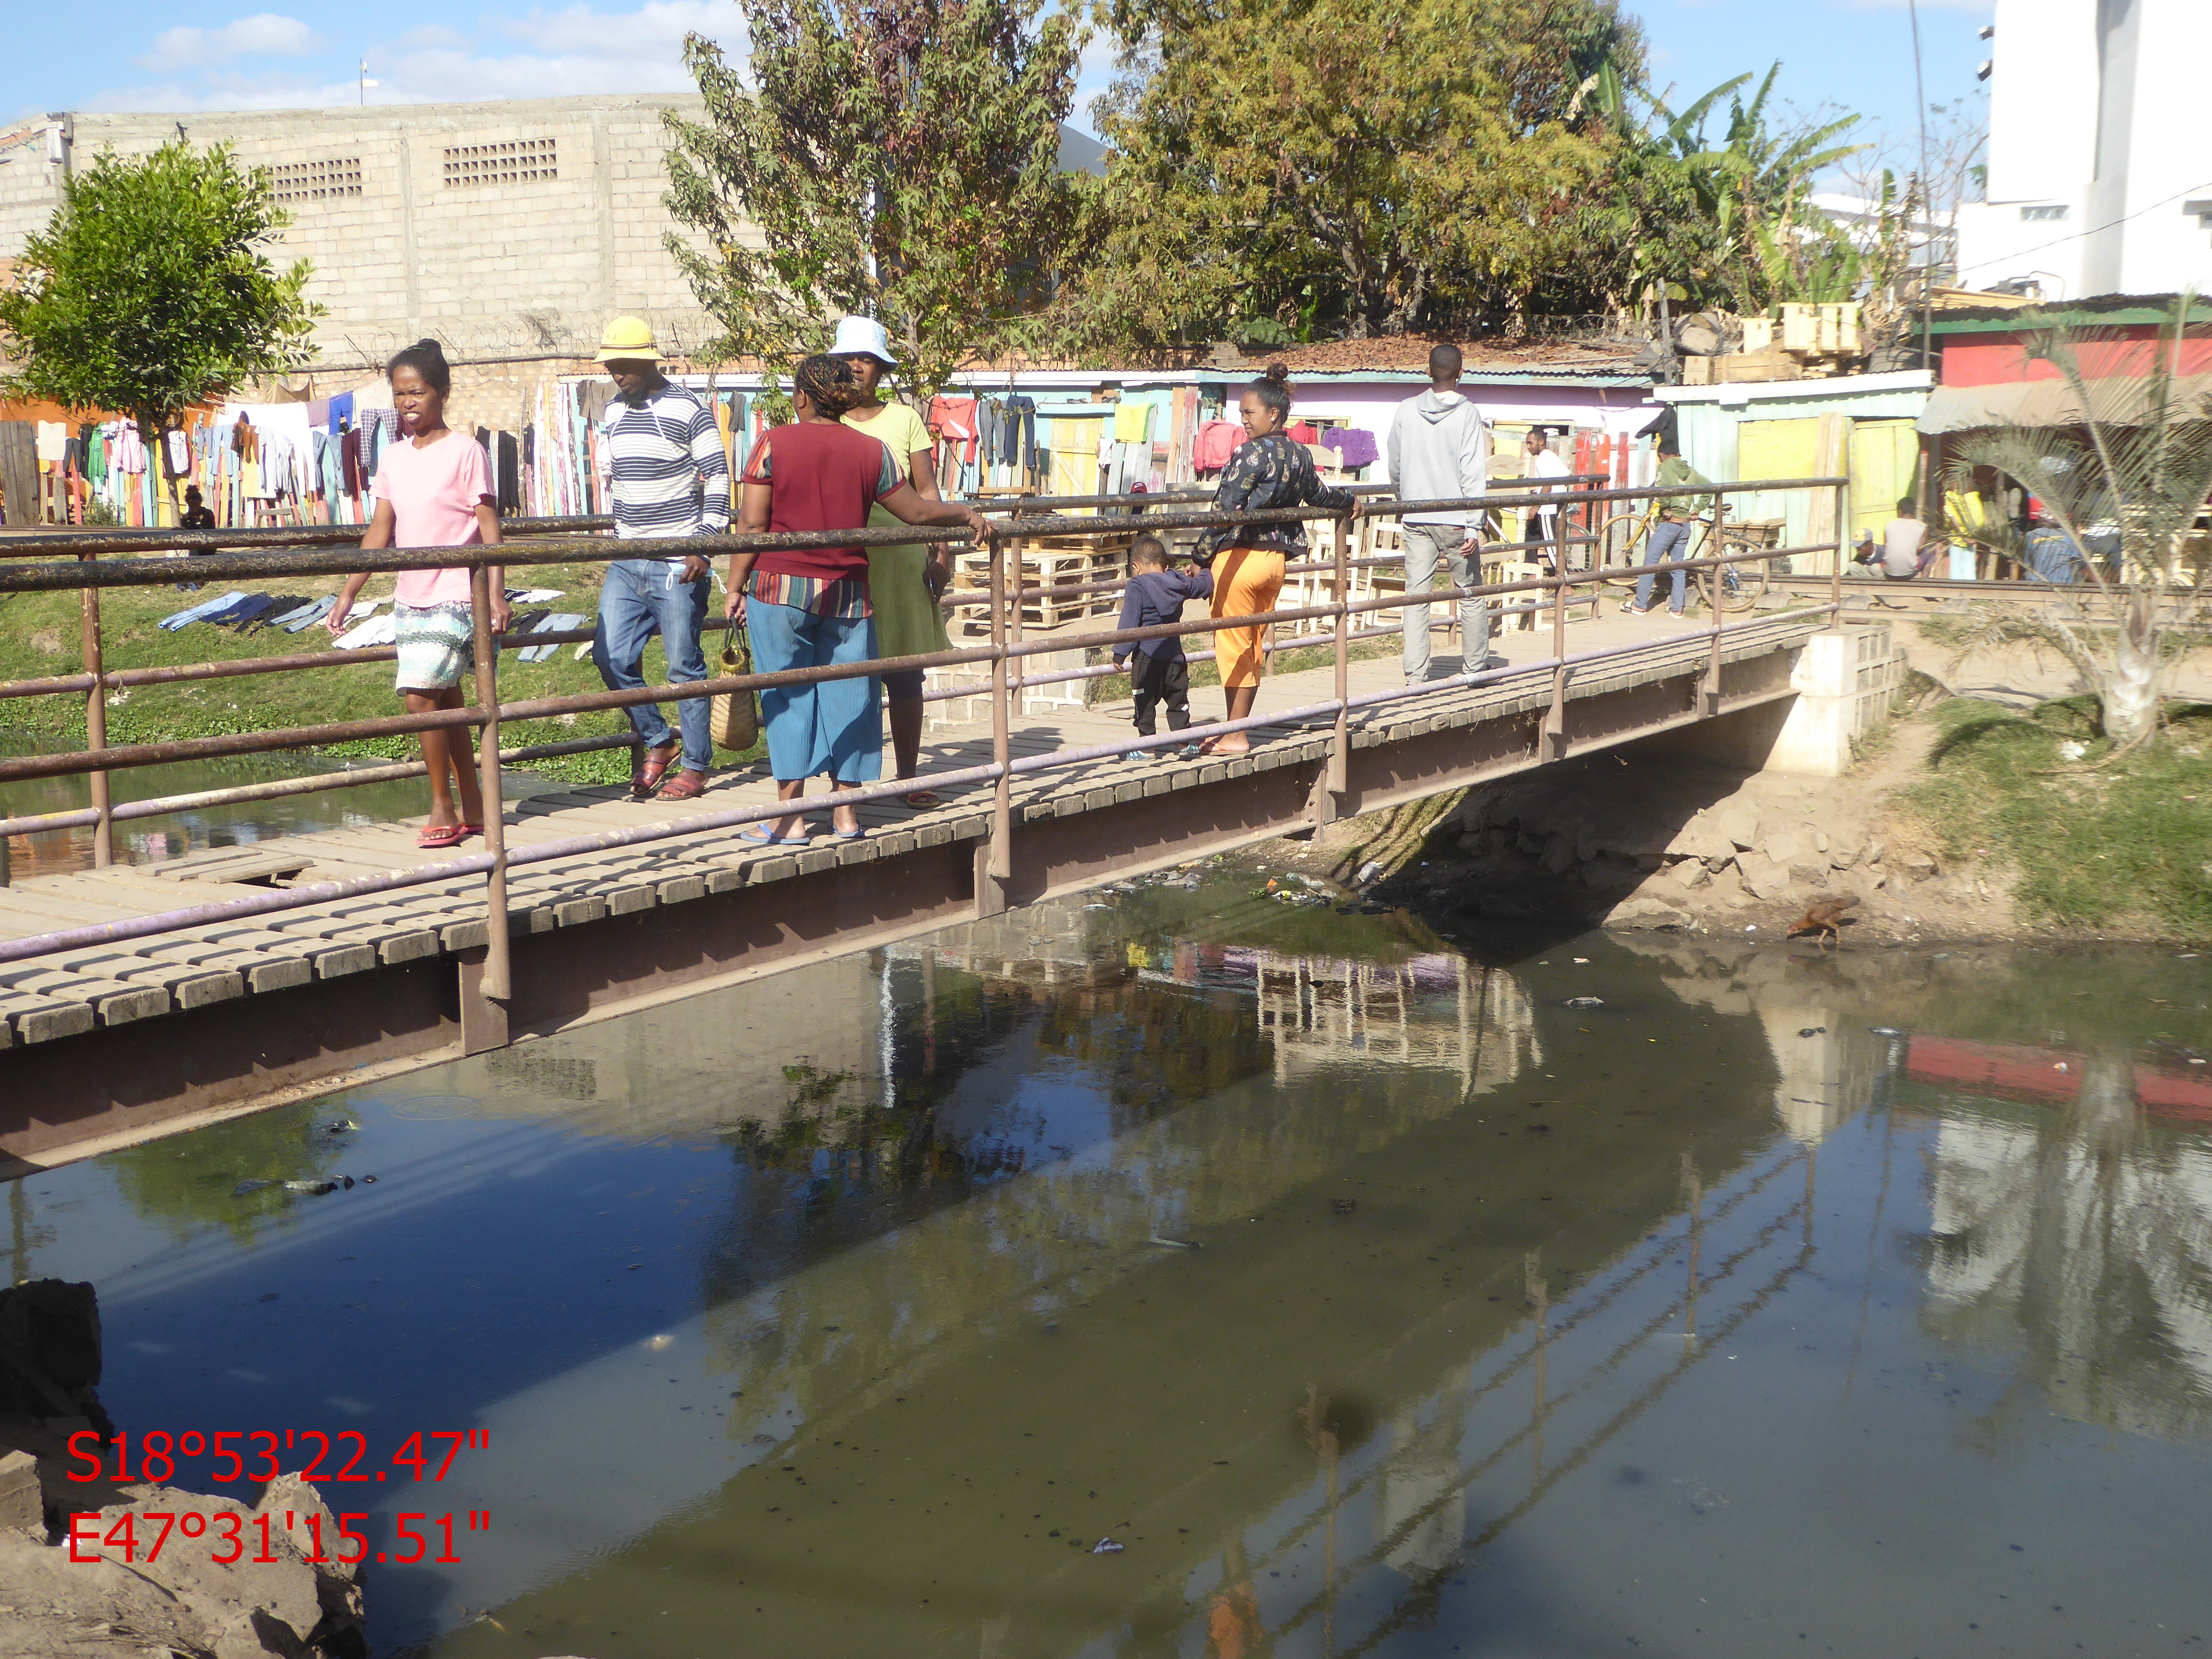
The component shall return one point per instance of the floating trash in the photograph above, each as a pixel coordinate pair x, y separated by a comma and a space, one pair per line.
312, 1189
1813, 1030
1886, 1030
1585, 1002
1343, 1206
343, 1126
1368, 872
1173, 1243
1106, 1546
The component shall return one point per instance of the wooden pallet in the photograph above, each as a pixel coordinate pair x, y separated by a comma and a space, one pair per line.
1047, 561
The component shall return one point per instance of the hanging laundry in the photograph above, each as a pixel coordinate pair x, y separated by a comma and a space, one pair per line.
1217, 442
1355, 445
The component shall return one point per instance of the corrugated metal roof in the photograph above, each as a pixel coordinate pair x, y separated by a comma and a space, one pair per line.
1393, 355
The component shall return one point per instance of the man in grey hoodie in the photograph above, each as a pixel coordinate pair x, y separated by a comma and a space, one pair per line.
1440, 451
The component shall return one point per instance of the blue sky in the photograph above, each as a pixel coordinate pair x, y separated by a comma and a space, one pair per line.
281, 54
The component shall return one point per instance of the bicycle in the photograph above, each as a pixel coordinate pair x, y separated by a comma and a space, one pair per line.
1727, 588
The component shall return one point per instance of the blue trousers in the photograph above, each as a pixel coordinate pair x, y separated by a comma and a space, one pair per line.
835, 727
639, 599
1669, 540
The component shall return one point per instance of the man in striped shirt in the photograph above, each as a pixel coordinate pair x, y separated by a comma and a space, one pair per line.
661, 457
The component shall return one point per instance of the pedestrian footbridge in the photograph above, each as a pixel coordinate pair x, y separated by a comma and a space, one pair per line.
139, 998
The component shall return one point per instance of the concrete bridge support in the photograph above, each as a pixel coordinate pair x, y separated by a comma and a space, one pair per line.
1844, 678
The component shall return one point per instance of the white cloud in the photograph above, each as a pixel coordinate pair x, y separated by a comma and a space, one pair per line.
264, 34
538, 54
652, 30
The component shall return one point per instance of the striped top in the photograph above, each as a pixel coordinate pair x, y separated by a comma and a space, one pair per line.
663, 458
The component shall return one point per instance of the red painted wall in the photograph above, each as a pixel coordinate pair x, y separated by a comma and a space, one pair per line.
2001, 360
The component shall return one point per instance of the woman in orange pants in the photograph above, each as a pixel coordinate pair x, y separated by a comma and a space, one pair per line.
1268, 470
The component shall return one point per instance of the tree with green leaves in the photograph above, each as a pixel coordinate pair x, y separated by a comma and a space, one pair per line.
1732, 223
898, 159
2123, 485
151, 288
1280, 167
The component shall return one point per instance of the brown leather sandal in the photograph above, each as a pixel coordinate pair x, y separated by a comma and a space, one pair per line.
686, 785
647, 777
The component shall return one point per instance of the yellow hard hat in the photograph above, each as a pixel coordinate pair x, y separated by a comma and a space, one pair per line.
628, 339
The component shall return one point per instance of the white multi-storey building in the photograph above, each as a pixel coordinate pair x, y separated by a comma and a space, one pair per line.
2100, 165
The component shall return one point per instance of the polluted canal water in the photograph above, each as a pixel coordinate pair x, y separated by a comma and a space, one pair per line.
1187, 1271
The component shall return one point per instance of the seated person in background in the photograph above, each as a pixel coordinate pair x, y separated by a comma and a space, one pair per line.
198, 515
1156, 595
1901, 558
2049, 552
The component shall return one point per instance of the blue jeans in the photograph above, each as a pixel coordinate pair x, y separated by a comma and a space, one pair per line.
835, 727
640, 598
1669, 540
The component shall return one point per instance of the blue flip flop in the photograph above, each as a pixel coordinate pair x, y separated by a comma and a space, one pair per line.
762, 838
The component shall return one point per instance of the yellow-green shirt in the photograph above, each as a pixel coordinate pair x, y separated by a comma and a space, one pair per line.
908, 620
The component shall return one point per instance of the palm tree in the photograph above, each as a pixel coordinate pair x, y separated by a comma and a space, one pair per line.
2126, 484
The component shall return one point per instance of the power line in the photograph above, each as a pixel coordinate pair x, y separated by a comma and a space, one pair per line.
2076, 236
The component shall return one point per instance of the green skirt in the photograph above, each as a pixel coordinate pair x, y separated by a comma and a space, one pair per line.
908, 622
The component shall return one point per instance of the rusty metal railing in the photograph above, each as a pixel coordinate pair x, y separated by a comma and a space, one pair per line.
84, 572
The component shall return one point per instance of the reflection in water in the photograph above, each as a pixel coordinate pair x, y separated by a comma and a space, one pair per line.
2078, 1231
1371, 1297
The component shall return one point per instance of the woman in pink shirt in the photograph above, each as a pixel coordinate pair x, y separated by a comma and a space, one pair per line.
433, 490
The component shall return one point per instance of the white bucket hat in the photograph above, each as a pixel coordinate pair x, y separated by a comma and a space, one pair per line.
863, 337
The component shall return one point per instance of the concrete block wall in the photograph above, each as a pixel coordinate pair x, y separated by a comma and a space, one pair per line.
30, 186
498, 228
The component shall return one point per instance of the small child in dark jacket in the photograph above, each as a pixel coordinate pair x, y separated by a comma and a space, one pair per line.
1156, 595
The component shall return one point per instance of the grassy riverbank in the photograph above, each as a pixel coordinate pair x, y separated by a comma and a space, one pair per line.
2120, 846
39, 632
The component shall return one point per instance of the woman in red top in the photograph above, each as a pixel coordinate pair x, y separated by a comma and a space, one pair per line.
808, 607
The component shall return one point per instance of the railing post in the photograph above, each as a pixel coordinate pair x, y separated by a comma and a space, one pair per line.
1554, 741
1709, 692
95, 723
496, 981
1836, 562
1014, 618
995, 858
1336, 775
